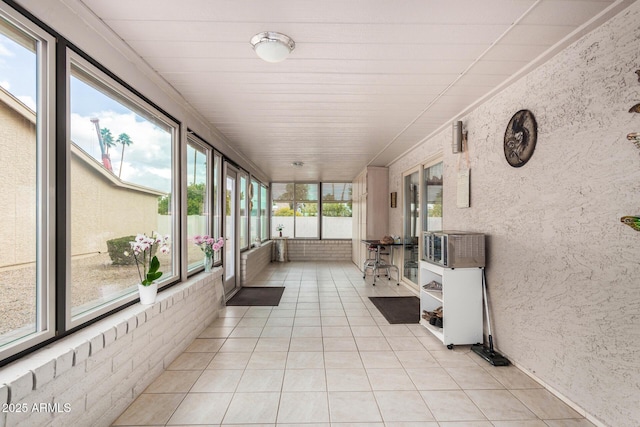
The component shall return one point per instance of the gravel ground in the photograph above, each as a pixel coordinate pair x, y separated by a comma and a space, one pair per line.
94, 279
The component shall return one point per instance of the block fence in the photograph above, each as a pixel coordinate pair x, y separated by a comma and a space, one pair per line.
90, 377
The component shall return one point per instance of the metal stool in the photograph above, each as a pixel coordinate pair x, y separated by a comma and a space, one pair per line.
376, 264
370, 263
383, 265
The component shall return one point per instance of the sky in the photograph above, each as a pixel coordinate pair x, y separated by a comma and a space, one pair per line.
147, 161
18, 71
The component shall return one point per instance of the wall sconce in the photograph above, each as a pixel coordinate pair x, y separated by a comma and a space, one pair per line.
394, 199
459, 135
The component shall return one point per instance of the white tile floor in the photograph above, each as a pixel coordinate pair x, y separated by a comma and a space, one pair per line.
326, 357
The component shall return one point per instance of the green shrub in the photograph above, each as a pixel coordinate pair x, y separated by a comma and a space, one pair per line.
117, 248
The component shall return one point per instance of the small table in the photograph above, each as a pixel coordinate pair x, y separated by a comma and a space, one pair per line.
279, 252
378, 263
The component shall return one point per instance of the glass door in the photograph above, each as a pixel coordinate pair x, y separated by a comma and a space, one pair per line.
411, 226
231, 283
432, 201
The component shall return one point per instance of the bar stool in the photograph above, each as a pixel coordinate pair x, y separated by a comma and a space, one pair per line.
371, 261
378, 263
387, 267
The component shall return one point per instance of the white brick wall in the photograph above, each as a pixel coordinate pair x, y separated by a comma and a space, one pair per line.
319, 250
95, 373
252, 262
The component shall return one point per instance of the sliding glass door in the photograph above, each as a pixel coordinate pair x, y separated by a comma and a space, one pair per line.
411, 226
231, 284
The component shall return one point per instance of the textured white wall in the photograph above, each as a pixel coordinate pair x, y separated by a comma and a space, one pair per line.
563, 272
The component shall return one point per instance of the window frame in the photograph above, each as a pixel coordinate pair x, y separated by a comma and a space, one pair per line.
46, 190
265, 218
295, 203
244, 240
254, 184
97, 73
321, 209
424, 208
218, 202
209, 203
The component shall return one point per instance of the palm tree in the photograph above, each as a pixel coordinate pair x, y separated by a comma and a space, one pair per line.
126, 141
107, 139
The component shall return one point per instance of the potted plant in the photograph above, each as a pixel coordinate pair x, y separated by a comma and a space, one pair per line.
143, 248
280, 227
209, 246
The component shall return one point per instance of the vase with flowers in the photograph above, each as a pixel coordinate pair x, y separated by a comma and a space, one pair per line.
143, 248
209, 246
279, 228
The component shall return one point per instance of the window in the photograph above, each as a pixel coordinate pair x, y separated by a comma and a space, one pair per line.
336, 210
198, 199
411, 214
295, 209
433, 197
254, 208
26, 154
244, 218
217, 204
264, 213
122, 179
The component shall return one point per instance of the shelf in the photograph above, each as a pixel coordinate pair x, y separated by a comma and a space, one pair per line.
437, 295
460, 299
437, 332
436, 268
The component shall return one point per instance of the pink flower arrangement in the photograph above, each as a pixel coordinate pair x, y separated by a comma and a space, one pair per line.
208, 245
142, 248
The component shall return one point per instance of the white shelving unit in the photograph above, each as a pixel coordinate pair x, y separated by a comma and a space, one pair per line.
461, 301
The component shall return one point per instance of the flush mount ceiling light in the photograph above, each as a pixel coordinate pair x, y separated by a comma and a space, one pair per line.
272, 46
297, 164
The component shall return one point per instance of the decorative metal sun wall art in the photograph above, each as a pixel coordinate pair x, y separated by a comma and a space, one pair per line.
520, 138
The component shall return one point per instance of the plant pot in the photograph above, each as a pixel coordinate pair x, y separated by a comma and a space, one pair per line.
280, 233
208, 262
148, 293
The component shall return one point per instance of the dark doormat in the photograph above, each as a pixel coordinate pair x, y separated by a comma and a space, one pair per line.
398, 309
257, 296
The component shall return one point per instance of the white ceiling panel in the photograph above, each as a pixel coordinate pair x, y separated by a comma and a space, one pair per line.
329, 11
250, 65
336, 51
367, 81
564, 12
536, 34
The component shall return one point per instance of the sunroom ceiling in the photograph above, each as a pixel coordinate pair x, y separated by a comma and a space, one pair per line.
368, 79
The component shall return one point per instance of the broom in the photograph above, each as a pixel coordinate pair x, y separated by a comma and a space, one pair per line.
488, 354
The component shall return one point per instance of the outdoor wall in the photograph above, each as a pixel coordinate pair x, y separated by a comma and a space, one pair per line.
562, 271
92, 376
96, 206
101, 200
17, 153
98, 215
